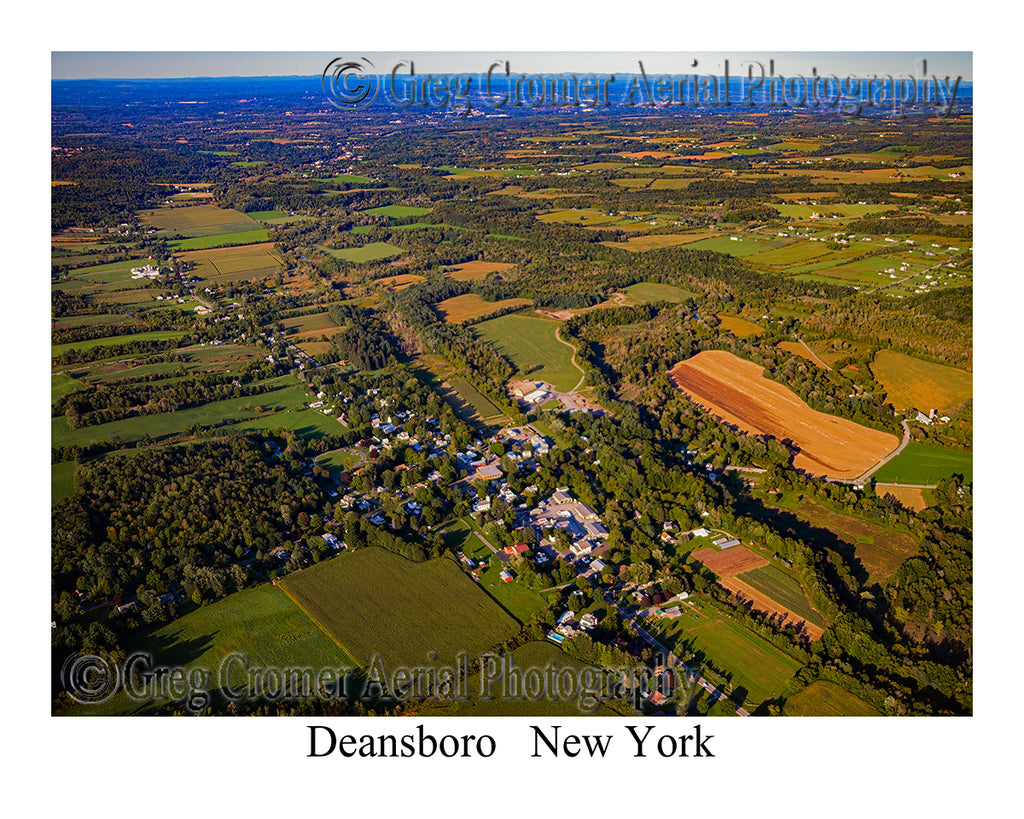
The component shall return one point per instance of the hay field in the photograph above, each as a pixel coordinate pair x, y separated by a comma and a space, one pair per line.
911, 382
469, 307
476, 271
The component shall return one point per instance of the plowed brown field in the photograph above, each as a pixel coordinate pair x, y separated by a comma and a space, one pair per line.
736, 391
725, 562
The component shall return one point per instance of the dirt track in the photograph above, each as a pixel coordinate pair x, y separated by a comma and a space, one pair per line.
736, 391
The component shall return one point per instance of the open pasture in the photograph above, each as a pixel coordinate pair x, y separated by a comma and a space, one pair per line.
397, 211
377, 604
738, 326
583, 217
879, 549
911, 382
736, 391
372, 252
261, 624
476, 271
531, 345
647, 292
246, 237
401, 281
469, 307
739, 246
640, 244
826, 699
754, 668
188, 220
926, 465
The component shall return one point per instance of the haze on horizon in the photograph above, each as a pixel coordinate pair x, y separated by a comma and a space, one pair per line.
66, 65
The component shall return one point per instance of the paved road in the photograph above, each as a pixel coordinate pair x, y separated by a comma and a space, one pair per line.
906, 440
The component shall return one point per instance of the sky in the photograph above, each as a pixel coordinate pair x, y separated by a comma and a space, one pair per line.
173, 64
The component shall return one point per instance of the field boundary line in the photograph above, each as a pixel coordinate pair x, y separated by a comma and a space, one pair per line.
319, 625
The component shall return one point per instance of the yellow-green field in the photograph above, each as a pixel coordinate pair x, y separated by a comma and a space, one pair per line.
825, 699
639, 244
911, 382
470, 306
739, 326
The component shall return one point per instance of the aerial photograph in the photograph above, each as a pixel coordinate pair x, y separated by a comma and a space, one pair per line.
528, 384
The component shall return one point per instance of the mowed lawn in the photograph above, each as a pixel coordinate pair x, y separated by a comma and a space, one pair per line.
911, 382
532, 347
378, 604
261, 623
924, 464
752, 663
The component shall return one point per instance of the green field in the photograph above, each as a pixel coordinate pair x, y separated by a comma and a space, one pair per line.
109, 341
262, 215
651, 292
61, 385
247, 237
539, 655
462, 535
924, 464
783, 589
375, 603
261, 623
752, 664
397, 211
373, 252
805, 211
530, 344
911, 382
519, 601
826, 699
196, 220
285, 395
62, 480
469, 403
341, 460
743, 246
